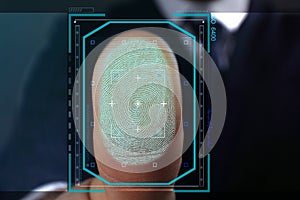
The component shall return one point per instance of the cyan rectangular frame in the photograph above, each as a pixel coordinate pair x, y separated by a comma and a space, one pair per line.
83, 120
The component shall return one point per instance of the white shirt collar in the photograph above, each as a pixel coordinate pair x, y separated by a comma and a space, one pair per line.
231, 20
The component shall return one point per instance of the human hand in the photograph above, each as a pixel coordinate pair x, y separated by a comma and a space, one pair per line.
166, 152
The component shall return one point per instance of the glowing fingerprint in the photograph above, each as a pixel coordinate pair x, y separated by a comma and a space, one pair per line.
137, 103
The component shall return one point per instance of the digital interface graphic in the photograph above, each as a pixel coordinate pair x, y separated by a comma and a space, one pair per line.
161, 99
135, 94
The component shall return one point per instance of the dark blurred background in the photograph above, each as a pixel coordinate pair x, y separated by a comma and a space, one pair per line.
33, 40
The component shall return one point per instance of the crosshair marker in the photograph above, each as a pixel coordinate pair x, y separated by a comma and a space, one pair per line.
137, 129
138, 103
138, 77
112, 103
163, 104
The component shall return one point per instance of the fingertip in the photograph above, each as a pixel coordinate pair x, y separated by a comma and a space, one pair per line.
137, 168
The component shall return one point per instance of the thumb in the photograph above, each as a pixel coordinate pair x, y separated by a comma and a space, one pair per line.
138, 135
